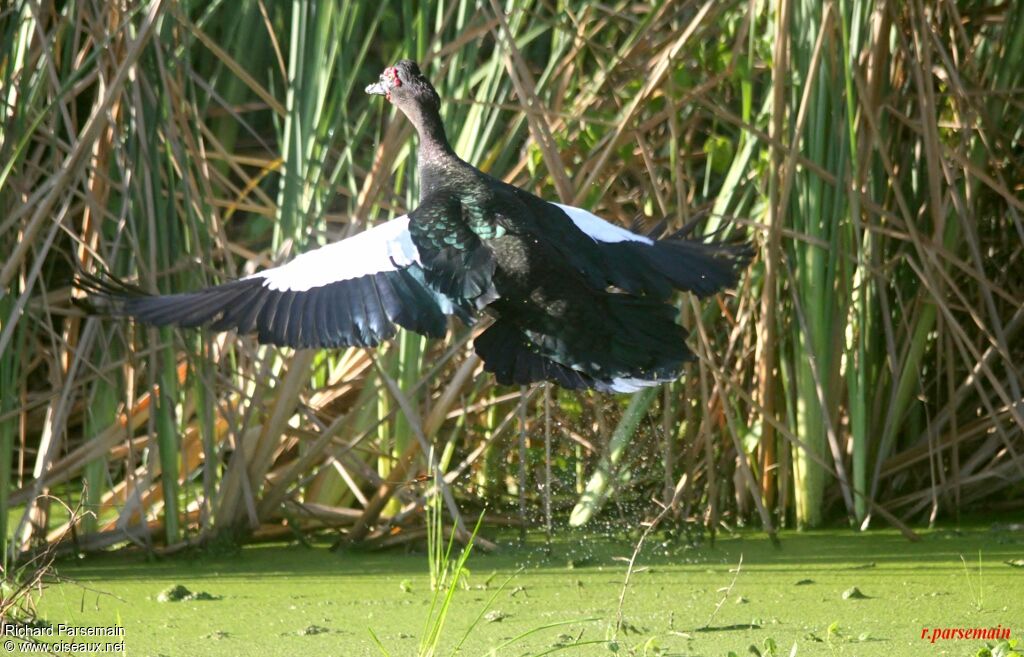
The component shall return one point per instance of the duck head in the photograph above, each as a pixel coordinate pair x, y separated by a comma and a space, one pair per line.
405, 87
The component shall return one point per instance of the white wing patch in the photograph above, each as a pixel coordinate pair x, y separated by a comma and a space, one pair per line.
599, 229
622, 384
386, 247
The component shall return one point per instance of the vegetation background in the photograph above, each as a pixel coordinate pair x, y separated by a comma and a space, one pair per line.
866, 370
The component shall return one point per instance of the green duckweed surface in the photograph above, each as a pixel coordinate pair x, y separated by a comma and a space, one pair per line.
284, 600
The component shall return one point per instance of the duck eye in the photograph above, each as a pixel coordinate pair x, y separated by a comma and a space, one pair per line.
394, 76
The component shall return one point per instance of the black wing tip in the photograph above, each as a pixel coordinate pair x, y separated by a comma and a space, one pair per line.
737, 248
105, 294
703, 268
737, 245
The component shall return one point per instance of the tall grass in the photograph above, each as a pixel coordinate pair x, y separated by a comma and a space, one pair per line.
866, 367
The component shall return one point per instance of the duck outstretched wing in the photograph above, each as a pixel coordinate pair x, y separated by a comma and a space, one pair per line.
350, 293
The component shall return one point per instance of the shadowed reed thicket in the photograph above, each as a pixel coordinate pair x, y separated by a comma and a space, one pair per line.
866, 370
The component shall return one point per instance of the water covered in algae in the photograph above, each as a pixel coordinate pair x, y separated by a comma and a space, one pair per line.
294, 600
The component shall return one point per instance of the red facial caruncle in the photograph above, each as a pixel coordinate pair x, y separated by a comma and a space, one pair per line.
392, 74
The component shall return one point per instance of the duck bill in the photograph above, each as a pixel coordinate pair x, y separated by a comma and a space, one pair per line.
377, 89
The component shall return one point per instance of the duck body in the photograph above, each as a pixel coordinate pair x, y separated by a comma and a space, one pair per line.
492, 247
575, 300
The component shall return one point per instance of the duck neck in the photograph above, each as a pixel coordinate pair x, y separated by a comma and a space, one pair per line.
434, 154
431, 131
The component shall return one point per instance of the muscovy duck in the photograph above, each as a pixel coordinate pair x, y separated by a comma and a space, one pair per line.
576, 300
